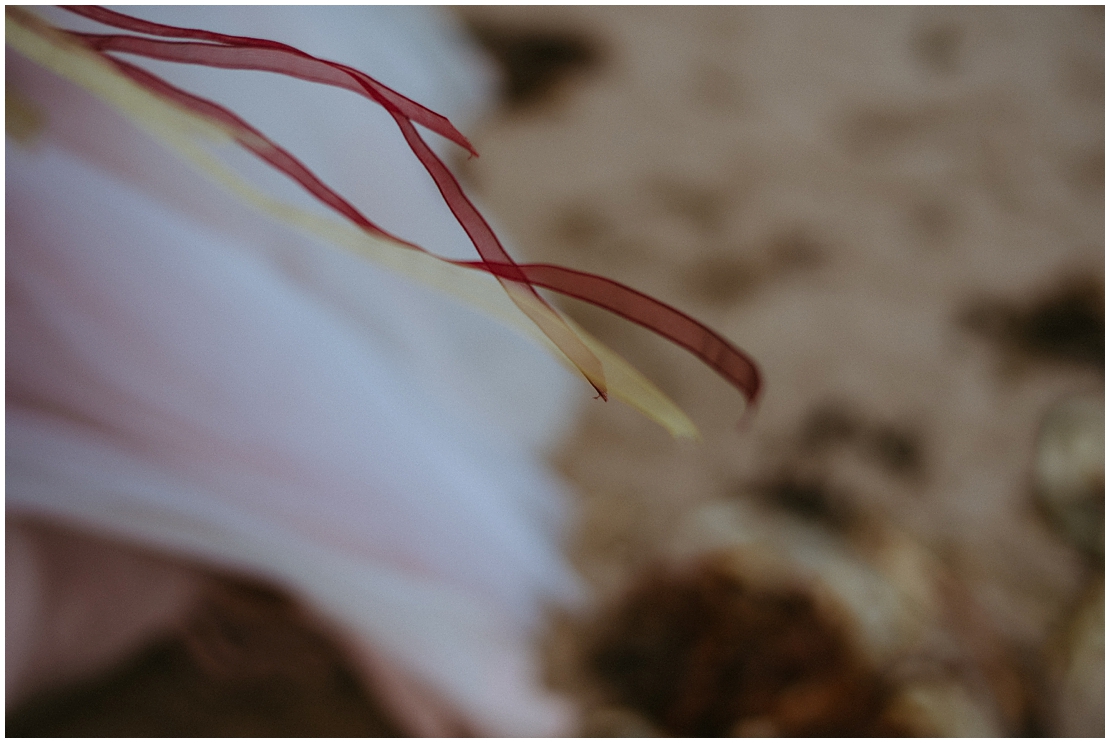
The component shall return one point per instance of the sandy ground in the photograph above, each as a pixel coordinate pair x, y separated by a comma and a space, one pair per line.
856, 197
897, 212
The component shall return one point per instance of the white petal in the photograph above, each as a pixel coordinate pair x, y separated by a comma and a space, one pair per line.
200, 380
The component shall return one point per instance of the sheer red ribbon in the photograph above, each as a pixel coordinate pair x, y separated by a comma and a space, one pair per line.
241, 52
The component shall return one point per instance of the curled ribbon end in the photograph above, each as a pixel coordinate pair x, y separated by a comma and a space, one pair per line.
745, 423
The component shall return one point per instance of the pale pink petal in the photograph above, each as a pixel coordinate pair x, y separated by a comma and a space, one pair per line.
203, 381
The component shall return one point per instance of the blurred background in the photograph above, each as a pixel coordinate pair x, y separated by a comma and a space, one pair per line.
898, 212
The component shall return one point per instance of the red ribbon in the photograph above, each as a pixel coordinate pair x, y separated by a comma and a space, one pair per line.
243, 52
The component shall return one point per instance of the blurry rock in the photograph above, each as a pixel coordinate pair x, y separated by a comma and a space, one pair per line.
1070, 470
701, 652
1079, 661
914, 656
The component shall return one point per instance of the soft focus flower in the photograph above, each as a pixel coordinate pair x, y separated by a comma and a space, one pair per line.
189, 375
